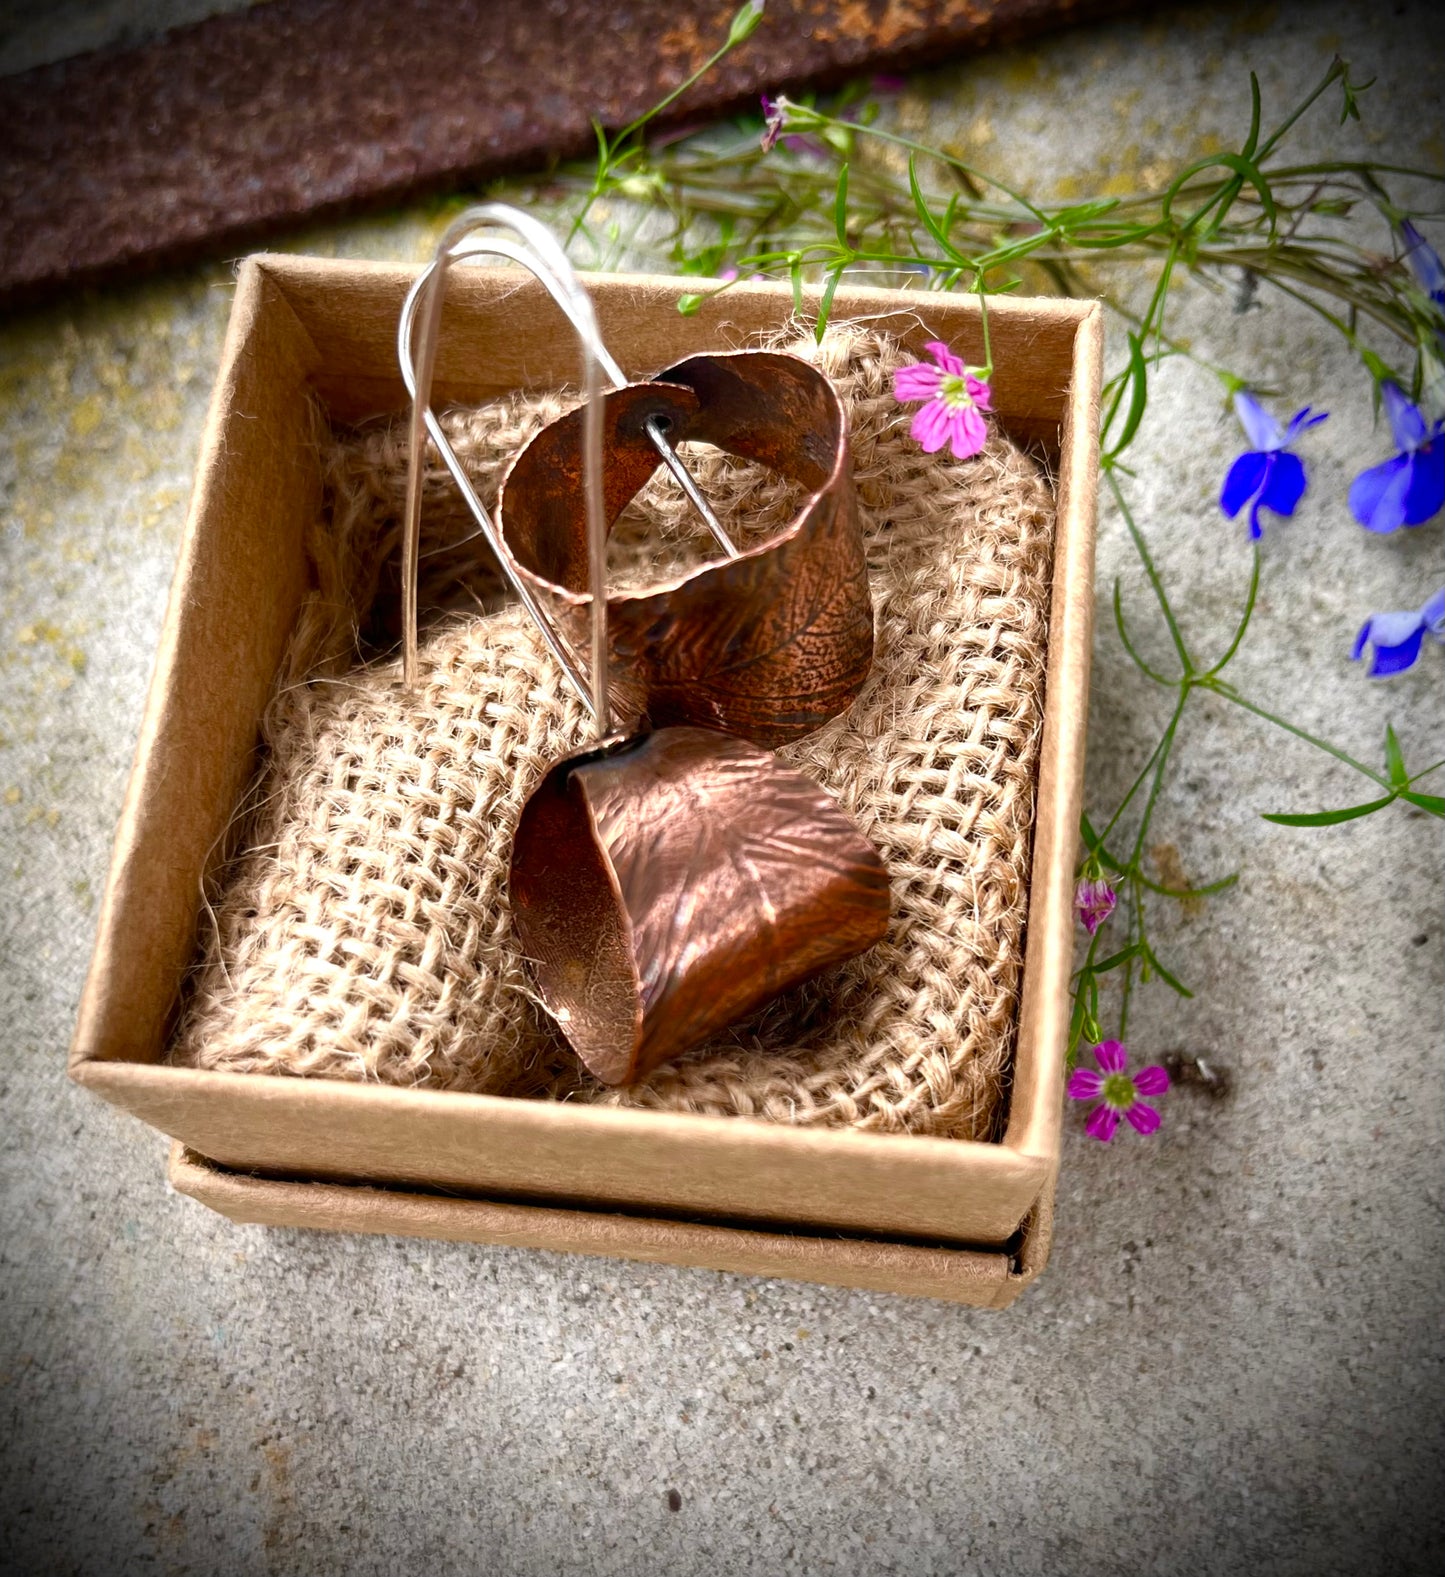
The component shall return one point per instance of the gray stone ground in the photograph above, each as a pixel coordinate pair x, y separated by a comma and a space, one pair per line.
1234, 1360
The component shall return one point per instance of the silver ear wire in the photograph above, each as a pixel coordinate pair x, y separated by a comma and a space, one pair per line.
540, 254
543, 256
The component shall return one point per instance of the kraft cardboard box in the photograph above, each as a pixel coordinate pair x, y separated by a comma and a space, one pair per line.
947, 1218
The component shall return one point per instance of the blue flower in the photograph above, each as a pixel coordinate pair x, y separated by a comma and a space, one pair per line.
1397, 637
1410, 488
1423, 261
1266, 476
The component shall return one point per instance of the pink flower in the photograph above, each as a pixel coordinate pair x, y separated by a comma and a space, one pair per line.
1120, 1092
775, 115
1093, 903
956, 401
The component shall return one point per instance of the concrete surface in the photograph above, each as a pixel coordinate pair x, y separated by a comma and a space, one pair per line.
1234, 1361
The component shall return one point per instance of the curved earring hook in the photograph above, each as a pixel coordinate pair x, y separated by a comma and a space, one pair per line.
551, 252
544, 258
542, 255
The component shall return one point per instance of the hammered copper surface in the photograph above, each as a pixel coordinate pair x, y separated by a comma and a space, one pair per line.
768, 645
662, 887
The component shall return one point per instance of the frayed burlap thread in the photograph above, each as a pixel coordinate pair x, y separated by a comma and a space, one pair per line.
366, 932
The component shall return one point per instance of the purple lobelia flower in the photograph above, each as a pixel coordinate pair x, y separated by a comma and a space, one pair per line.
1267, 475
1119, 1091
1396, 638
1409, 489
1423, 262
1093, 903
955, 401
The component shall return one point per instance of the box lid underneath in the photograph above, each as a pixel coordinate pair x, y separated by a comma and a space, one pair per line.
983, 1277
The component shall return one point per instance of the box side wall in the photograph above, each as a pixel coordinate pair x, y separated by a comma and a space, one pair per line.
238, 582
705, 1166
1035, 1110
502, 331
986, 1280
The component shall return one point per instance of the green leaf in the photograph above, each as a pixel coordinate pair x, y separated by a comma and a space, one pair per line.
1252, 141
1329, 818
840, 207
1076, 1021
925, 213
1246, 169
1128, 645
1206, 891
1169, 980
688, 305
1244, 619
1082, 213
1137, 375
1395, 759
796, 275
1431, 802
1096, 847
1114, 960
1379, 371
825, 306
949, 213
1352, 90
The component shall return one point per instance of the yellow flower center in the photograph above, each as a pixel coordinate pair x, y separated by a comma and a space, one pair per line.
953, 391
1119, 1092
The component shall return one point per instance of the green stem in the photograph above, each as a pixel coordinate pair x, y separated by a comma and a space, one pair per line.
1141, 547
1166, 744
1220, 688
878, 133
986, 371
1138, 782
1334, 74
1243, 624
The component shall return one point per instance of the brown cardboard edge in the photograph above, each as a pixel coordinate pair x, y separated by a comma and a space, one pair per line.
1036, 1108
105, 1027
350, 309
831, 1178
982, 1278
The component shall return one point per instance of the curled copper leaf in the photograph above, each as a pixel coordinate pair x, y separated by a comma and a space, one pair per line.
768, 645
663, 886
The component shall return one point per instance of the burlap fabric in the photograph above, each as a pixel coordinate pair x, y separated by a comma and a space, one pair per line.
363, 931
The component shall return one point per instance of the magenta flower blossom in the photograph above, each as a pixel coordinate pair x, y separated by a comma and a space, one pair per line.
1119, 1091
775, 117
1093, 903
954, 399
775, 113
1396, 638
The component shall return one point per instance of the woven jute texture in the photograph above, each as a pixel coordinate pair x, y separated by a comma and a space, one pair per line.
363, 932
